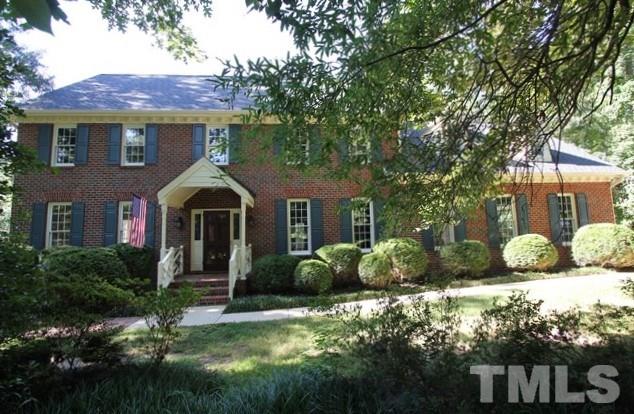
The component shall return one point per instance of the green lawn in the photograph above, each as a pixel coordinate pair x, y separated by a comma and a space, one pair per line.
268, 302
249, 350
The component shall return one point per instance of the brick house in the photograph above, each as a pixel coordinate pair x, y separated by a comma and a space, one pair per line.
172, 140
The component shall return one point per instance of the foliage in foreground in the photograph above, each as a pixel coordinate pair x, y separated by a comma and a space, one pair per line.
163, 311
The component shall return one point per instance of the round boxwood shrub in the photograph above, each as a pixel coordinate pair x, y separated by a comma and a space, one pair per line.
343, 260
100, 261
604, 244
469, 258
313, 276
409, 260
530, 252
375, 270
139, 261
272, 274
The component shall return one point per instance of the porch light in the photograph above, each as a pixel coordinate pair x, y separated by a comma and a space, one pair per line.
180, 223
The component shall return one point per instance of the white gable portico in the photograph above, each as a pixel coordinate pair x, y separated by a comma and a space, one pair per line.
203, 174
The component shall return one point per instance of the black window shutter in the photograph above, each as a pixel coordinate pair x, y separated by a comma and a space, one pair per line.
555, 218
234, 143
38, 225
150, 221
110, 223
281, 230
114, 144
377, 150
151, 144
460, 231
316, 224
582, 209
77, 224
522, 214
44, 138
343, 150
278, 139
314, 144
81, 147
345, 215
493, 231
378, 219
428, 238
198, 142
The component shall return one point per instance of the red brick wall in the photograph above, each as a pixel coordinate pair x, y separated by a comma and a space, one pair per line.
97, 182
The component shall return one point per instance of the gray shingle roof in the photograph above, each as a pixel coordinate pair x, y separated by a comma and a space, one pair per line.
139, 92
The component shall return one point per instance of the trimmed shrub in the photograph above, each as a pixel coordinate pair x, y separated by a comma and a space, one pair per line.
343, 259
138, 261
409, 260
469, 258
530, 252
313, 276
99, 261
272, 274
604, 244
375, 270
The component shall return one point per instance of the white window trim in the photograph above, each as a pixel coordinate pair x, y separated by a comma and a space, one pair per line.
372, 241
513, 213
120, 221
123, 146
364, 157
207, 128
573, 207
288, 227
54, 145
49, 221
306, 159
452, 235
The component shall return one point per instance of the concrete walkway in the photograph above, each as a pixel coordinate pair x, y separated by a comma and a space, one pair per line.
561, 293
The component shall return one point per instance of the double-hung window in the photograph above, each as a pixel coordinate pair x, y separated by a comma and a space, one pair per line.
507, 218
125, 217
59, 224
360, 149
298, 152
218, 144
363, 225
133, 146
64, 142
443, 235
567, 217
299, 226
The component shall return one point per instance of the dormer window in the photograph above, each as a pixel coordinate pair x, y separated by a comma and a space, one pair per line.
543, 154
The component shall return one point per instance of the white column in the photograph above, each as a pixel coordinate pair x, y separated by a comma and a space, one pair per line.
163, 230
243, 235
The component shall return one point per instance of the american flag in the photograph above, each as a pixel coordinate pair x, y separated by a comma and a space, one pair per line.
137, 227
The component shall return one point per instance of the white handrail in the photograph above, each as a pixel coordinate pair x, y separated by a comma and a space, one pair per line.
237, 269
170, 266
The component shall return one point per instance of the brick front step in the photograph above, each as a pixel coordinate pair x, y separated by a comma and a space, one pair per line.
213, 300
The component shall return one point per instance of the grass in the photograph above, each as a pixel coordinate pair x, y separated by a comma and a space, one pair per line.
267, 302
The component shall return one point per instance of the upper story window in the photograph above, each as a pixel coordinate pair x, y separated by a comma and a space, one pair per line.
298, 152
567, 217
218, 144
59, 224
299, 226
360, 150
64, 141
507, 219
125, 217
363, 226
133, 145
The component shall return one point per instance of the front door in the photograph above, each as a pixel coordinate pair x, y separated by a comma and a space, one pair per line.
216, 241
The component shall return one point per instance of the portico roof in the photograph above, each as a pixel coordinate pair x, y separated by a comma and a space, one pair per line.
202, 174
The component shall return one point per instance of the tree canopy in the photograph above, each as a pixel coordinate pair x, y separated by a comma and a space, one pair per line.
497, 78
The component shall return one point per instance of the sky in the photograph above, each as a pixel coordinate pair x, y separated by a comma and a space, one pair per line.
85, 47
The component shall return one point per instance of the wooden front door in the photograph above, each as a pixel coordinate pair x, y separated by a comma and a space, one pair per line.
216, 250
